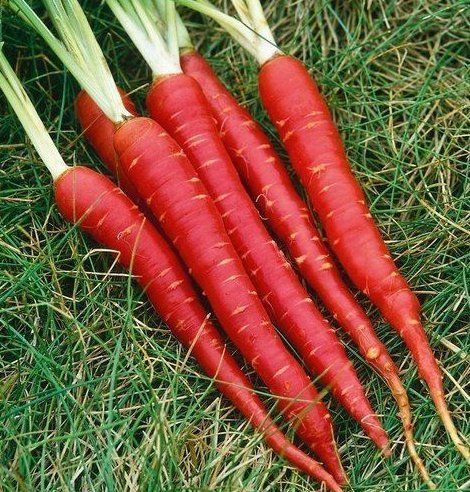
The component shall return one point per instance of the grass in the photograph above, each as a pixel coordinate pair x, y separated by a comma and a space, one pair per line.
95, 394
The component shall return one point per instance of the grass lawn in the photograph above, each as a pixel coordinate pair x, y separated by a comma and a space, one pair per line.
95, 395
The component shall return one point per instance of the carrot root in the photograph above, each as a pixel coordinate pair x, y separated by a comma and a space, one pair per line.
401, 397
444, 414
296, 107
103, 211
167, 181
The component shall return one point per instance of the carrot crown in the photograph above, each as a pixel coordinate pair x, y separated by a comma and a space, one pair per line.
155, 30
29, 118
78, 50
251, 31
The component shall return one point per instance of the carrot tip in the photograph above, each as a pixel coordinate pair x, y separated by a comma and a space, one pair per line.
446, 419
386, 451
341, 477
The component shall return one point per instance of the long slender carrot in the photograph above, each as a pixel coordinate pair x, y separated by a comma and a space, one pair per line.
178, 104
295, 105
326, 342
165, 178
172, 189
101, 209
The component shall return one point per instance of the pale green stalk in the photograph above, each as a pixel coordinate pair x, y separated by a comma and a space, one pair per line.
258, 20
29, 118
253, 33
138, 19
78, 50
159, 10
172, 29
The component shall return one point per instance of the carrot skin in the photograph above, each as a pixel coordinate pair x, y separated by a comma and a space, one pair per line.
104, 212
165, 178
301, 116
305, 125
179, 105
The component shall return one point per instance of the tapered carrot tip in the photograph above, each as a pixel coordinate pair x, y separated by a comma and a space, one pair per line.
331, 461
327, 479
418, 461
376, 432
309, 466
313, 469
446, 419
386, 451
387, 368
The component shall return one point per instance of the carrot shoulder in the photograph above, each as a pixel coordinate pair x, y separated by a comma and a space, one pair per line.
99, 132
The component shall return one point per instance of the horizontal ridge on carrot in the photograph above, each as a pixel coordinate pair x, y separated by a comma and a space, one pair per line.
304, 123
177, 103
101, 209
166, 180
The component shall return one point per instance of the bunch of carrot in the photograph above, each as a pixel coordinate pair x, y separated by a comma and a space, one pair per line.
197, 176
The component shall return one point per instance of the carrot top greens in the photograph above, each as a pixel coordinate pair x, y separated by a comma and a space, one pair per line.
153, 28
32, 123
251, 31
78, 50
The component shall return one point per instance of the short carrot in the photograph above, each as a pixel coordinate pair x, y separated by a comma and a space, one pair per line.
166, 180
101, 209
178, 104
304, 123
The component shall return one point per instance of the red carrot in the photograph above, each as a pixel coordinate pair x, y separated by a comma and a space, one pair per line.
306, 127
177, 103
302, 117
327, 341
102, 210
106, 214
165, 178
168, 182
98, 129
